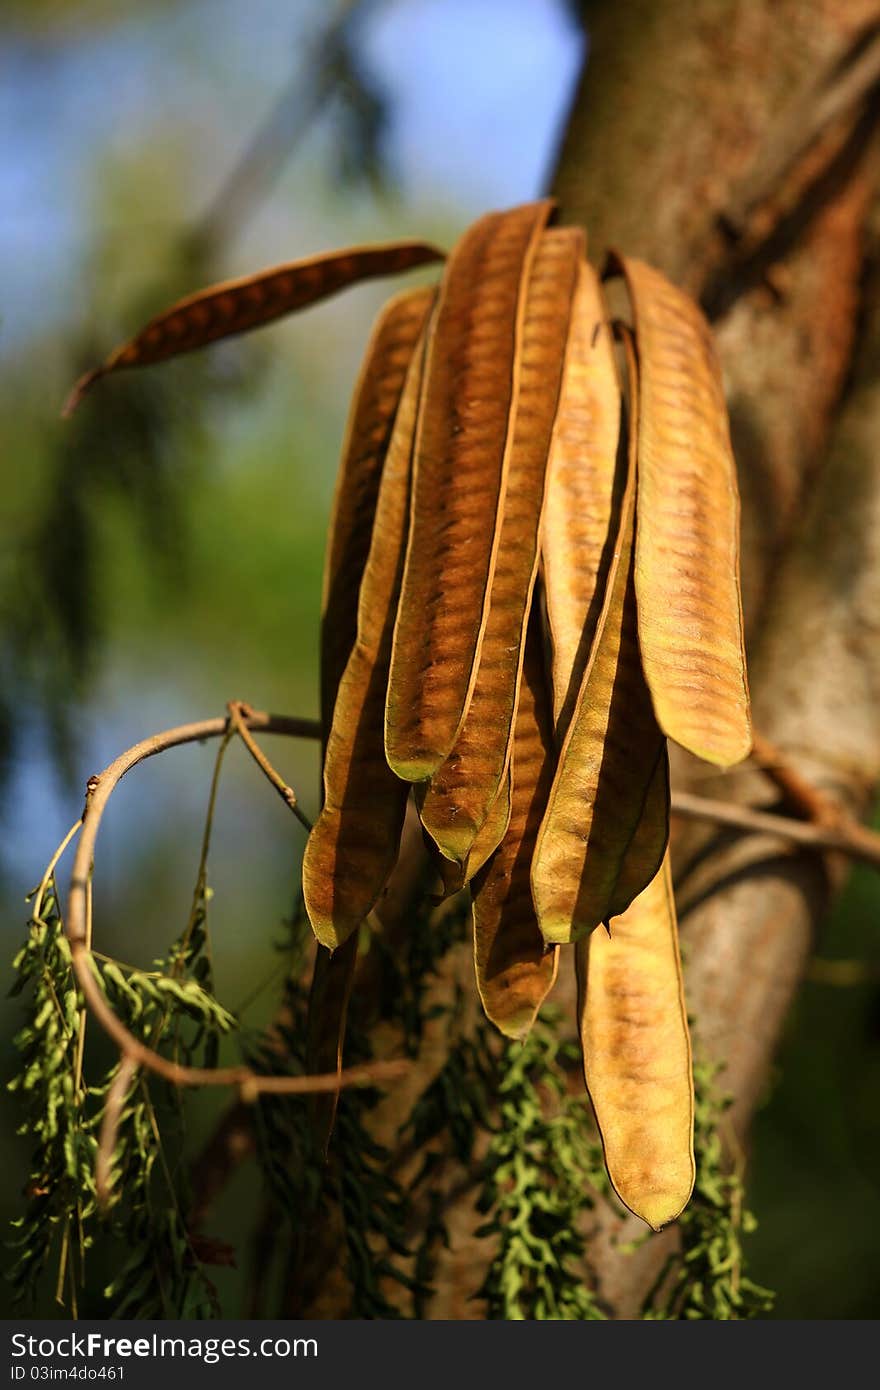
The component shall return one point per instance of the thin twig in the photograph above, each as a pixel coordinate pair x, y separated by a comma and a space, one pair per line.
238, 713
40, 892
800, 794
110, 1128
847, 837
300, 102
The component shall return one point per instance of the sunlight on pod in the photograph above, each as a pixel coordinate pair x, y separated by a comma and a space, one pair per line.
463, 446
514, 967
606, 762
457, 800
454, 876
370, 422
576, 531
687, 532
237, 306
353, 846
637, 1053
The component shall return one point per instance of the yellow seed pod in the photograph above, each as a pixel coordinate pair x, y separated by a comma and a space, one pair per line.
687, 532
609, 756
579, 510
637, 1053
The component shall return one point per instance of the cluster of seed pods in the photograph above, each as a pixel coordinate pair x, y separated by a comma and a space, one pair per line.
531, 584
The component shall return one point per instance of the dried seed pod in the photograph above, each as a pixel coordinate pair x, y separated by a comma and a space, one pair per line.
606, 763
368, 432
462, 790
463, 447
515, 969
687, 532
637, 1053
487, 839
332, 979
577, 535
650, 840
353, 846
371, 419
237, 306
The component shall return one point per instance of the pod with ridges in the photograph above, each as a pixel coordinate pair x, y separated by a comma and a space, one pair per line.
687, 531
237, 306
454, 876
353, 846
370, 422
463, 447
577, 532
462, 790
606, 763
637, 1053
515, 968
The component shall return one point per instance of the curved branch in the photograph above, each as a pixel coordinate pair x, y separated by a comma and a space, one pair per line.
239, 712
136, 1053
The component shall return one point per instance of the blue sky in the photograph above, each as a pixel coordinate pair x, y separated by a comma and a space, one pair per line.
478, 88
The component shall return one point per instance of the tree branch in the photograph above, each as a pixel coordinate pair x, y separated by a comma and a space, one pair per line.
250, 1084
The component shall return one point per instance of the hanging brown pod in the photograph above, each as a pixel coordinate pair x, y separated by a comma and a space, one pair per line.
515, 968
650, 838
237, 306
580, 506
453, 875
332, 981
458, 798
687, 530
607, 761
371, 420
463, 447
637, 1053
353, 846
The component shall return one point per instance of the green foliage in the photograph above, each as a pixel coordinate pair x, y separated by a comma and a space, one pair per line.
172, 1008
707, 1278
60, 1188
542, 1172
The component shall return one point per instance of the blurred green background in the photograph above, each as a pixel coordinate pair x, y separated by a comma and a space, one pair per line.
161, 553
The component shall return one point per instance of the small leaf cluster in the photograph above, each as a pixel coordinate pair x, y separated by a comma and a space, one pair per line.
60, 1188
541, 1175
172, 1008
